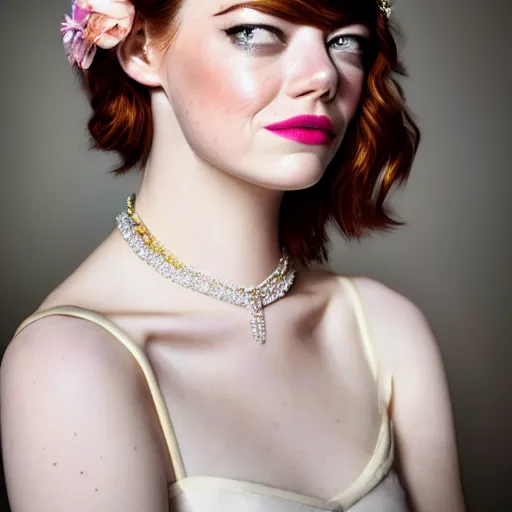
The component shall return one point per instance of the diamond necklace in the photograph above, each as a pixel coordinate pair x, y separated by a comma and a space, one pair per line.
253, 298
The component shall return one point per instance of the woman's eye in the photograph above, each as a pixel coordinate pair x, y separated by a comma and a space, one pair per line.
352, 44
248, 36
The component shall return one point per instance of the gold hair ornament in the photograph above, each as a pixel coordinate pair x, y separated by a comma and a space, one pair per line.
385, 6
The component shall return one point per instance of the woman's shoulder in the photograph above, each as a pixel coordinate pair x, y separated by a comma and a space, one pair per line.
69, 338
54, 350
71, 319
377, 298
66, 390
393, 318
397, 326
381, 301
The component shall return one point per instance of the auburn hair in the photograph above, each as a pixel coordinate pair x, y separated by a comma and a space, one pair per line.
376, 154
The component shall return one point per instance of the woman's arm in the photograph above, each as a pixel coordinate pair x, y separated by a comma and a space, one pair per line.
421, 409
424, 429
78, 429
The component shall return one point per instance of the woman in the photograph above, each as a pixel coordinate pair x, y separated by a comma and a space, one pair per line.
148, 380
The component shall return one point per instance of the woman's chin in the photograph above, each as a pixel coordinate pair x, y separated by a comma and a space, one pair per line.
294, 172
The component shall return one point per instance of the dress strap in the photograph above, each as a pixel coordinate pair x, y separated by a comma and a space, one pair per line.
143, 362
382, 458
384, 384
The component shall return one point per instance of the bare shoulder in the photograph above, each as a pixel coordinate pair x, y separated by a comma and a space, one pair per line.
81, 345
399, 327
77, 425
377, 296
421, 408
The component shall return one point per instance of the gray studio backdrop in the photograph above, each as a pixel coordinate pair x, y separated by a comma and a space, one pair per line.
453, 259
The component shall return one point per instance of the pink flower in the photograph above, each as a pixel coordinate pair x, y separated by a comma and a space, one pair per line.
110, 21
79, 51
103, 23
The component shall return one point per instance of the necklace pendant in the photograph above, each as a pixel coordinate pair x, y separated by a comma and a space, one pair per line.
257, 317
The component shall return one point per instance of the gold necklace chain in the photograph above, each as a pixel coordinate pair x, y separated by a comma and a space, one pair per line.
253, 298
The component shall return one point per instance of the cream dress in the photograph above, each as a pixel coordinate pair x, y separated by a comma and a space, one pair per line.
377, 489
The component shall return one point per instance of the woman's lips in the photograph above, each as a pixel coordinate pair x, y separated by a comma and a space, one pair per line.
306, 129
308, 136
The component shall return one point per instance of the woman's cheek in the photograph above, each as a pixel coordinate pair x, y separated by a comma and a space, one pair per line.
234, 84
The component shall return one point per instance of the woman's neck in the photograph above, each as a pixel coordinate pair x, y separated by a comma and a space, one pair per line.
211, 220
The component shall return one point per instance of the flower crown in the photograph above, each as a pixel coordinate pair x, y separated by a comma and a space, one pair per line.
105, 23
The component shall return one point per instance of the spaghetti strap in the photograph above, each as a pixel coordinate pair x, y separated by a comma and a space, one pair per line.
141, 359
384, 385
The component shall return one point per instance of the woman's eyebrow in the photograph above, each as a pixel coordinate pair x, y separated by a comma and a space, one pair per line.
240, 5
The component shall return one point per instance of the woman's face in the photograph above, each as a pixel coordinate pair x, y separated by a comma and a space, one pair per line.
229, 77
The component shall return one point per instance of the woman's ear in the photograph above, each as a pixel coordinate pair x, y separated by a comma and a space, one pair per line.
137, 58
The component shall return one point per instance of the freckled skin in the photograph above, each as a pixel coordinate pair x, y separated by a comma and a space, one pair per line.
225, 95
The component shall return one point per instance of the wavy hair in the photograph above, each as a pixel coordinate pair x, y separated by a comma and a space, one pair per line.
376, 154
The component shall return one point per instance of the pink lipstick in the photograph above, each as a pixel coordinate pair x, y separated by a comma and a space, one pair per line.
306, 129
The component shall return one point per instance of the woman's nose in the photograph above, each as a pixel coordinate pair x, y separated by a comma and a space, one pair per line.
309, 69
